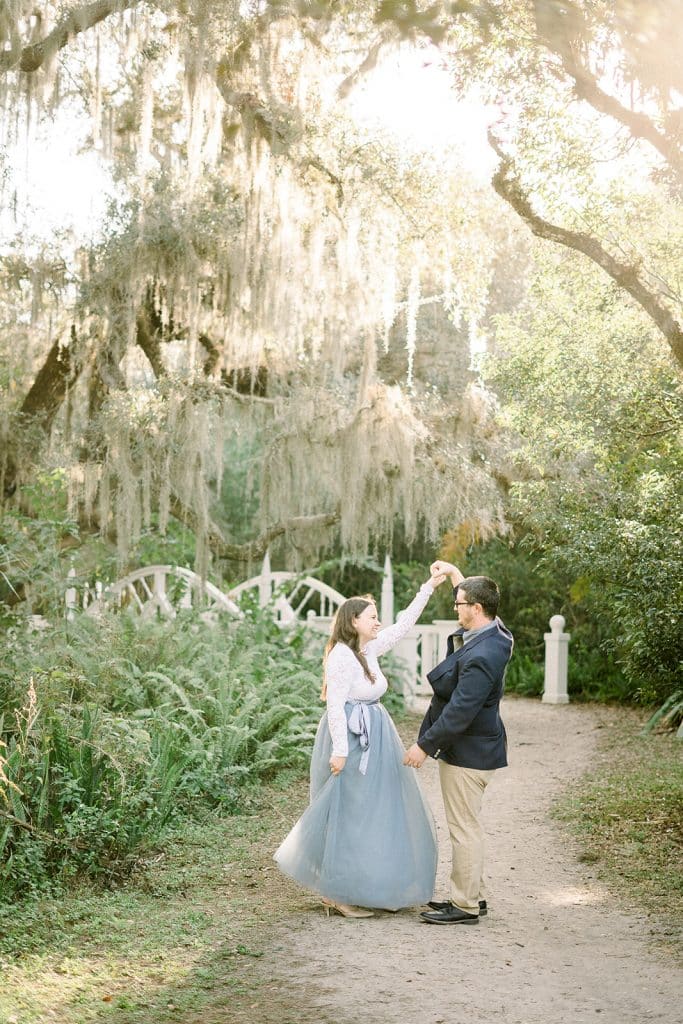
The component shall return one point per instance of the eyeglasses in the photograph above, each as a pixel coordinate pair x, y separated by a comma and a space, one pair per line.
460, 604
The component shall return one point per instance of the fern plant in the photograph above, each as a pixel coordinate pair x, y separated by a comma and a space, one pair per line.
668, 716
72, 801
129, 723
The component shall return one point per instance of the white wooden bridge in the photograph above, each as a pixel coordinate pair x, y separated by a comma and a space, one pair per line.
164, 590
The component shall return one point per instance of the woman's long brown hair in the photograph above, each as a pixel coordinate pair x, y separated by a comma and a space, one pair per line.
344, 632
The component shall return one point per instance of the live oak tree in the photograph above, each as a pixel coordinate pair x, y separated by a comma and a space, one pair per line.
258, 250
587, 124
592, 400
261, 245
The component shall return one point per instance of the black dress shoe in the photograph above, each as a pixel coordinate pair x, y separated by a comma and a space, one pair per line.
451, 915
483, 909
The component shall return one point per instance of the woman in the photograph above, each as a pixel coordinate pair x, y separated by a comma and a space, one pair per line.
367, 838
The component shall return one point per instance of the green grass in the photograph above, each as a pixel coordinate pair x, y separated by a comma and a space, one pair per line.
174, 944
628, 816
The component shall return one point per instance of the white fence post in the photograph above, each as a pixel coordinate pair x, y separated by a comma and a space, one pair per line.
71, 597
386, 608
265, 587
556, 659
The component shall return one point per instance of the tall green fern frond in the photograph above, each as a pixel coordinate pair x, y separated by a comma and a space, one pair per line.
43, 809
159, 682
61, 746
85, 761
5, 836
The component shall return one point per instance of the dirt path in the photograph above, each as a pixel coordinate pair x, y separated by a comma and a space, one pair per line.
554, 948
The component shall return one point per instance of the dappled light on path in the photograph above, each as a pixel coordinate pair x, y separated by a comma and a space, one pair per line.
576, 898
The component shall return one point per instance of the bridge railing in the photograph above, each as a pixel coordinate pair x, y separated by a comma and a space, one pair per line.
164, 590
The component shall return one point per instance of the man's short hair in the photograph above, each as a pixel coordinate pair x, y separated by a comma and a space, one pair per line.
482, 590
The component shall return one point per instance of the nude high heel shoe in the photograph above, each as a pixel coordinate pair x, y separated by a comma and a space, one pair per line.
345, 910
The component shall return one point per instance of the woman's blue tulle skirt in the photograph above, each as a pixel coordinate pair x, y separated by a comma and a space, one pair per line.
369, 839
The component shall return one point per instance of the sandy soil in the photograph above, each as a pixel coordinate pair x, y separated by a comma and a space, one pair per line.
555, 947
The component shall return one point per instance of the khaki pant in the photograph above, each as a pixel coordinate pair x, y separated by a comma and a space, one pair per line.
463, 790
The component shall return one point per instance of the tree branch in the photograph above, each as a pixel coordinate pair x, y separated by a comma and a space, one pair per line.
74, 844
625, 275
277, 124
79, 19
313, 161
562, 29
639, 125
254, 548
559, 27
369, 63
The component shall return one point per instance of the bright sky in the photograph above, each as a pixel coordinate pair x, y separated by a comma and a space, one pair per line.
411, 95
57, 183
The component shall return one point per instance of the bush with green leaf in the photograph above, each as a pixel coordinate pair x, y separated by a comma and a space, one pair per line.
593, 403
129, 722
80, 791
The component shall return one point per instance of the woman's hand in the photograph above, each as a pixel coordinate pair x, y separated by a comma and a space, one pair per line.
436, 579
337, 764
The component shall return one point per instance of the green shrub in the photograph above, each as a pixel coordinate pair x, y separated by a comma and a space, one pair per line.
131, 722
593, 403
524, 676
80, 791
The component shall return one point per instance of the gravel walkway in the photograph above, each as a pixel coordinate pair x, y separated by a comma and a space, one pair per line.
554, 949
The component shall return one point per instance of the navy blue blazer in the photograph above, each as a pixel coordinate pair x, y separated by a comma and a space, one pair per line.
463, 724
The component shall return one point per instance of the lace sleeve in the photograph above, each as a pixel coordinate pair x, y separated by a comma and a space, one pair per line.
339, 673
386, 638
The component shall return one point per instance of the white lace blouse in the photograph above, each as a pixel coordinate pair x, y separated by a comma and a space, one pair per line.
346, 679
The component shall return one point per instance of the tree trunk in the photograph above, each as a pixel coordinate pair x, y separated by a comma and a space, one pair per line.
43, 401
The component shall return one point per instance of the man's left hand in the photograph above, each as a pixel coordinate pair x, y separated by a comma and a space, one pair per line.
415, 756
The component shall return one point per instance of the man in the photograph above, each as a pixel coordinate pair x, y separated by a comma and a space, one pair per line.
464, 732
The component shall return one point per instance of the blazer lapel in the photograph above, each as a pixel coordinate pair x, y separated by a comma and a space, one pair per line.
452, 658
455, 641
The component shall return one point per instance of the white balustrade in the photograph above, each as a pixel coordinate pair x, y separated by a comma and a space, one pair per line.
265, 584
293, 599
71, 597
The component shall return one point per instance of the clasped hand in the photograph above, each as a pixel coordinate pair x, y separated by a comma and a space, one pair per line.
415, 756
440, 570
